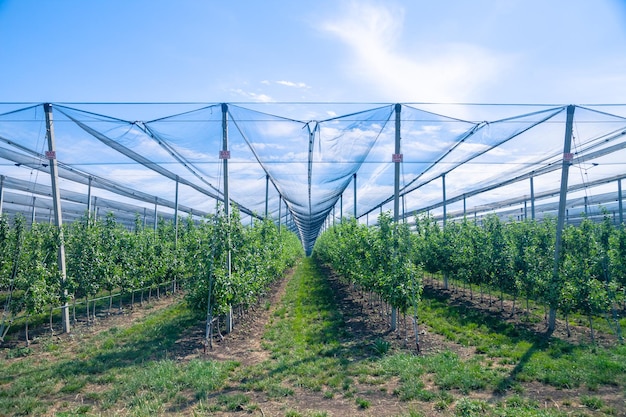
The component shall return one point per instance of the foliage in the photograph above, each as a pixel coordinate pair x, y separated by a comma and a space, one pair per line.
380, 259
101, 254
515, 258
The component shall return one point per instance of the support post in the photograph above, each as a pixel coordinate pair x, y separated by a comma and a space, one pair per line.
280, 211
58, 219
445, 214
443, 181
532, 198
33, 218
567, 158
229, 318
156, 214
619, 201
89, 200
525, 210
1, 192
354, 177
267, 194
176, 214
397, 159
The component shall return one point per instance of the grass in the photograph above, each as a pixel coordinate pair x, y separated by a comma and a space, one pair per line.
134, 371
303, 338
552, 361
116, 369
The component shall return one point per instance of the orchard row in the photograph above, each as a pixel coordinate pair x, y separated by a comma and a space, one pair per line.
517, 259
236, 263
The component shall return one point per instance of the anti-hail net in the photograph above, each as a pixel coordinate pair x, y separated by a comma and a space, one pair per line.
306, 165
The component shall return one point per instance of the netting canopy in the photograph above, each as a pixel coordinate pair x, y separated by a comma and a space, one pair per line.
305, 165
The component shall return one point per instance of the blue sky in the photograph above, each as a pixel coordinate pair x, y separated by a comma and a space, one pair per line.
507, 51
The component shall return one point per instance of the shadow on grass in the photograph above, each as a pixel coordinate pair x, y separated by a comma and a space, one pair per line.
153, 342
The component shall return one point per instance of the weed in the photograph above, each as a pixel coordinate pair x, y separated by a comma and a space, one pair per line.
362, 403
466, 407
233, 402
19, 352
593, 403
381, 346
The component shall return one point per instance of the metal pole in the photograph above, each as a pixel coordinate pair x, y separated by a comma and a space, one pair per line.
1, 192
225, 157
443, 182
397, 159
176, 214
567, 158
34, 213
155, 214
58, 220
280, 211
619, 201
354, 177
89, 199
525, 210
532, 198
267, 193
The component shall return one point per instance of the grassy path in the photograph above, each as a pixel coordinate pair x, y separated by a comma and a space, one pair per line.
314, 370
314, 364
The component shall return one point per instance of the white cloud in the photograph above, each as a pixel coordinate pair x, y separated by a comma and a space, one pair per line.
263, 98
292, 84
422, 71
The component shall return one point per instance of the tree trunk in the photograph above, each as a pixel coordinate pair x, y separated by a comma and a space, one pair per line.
593, 339
51, 328
513, 308
551, 320
417, 333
